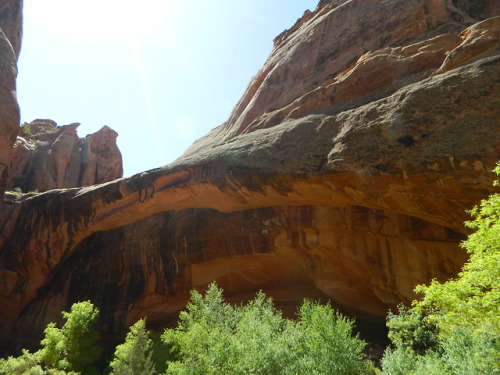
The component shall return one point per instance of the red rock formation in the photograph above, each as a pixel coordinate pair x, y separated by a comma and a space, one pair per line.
9, 110
345, 55
343, 173
11, 22
102, 160
46, 156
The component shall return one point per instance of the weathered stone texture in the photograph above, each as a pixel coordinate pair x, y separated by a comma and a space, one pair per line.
11, 22
9, 110
10, 46
46, 156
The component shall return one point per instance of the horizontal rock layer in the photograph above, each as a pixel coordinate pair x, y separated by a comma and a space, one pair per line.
349, 53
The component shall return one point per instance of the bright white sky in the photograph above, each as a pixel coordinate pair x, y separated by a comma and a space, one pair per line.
162, 73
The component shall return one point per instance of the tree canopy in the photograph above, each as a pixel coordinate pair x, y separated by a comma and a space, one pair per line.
214, 337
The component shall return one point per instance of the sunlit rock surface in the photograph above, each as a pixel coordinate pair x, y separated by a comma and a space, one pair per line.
46, 156
343, 173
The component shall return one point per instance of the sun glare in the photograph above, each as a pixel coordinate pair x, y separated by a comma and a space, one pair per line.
102, 20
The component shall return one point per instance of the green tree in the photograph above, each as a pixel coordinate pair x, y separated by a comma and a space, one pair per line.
462, 313
411, 330
327, 345
214, 337
69, 350
28, 364
25, 364
133, 357
72, 347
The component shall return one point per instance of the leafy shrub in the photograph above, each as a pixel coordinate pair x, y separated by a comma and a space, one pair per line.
214, 337
26, 364
409, 329
26, 128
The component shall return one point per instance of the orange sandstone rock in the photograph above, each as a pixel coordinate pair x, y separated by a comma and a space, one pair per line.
481, 39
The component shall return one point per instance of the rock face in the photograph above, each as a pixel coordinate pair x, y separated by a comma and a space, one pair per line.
349, 53
46, 156
343, 173
11, 22
10, 36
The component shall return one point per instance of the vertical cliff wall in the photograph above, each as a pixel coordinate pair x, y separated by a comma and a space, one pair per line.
10, 45
11, 23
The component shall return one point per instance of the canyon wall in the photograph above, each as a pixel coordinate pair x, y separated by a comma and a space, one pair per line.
10, 45
11, 23
343, 173
46, 156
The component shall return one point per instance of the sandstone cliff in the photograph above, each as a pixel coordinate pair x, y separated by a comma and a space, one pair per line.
46, 156
11, 22
343, 173
10, 44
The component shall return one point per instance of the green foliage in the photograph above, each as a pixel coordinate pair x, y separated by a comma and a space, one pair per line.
458, 354
325, 343
69, 350
26, 128
160, 353
409, 329
72, 347
28, 364
133, 357
214, 337
465, 311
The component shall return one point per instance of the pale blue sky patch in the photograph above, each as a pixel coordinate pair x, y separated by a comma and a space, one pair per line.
160, 72
184, 127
